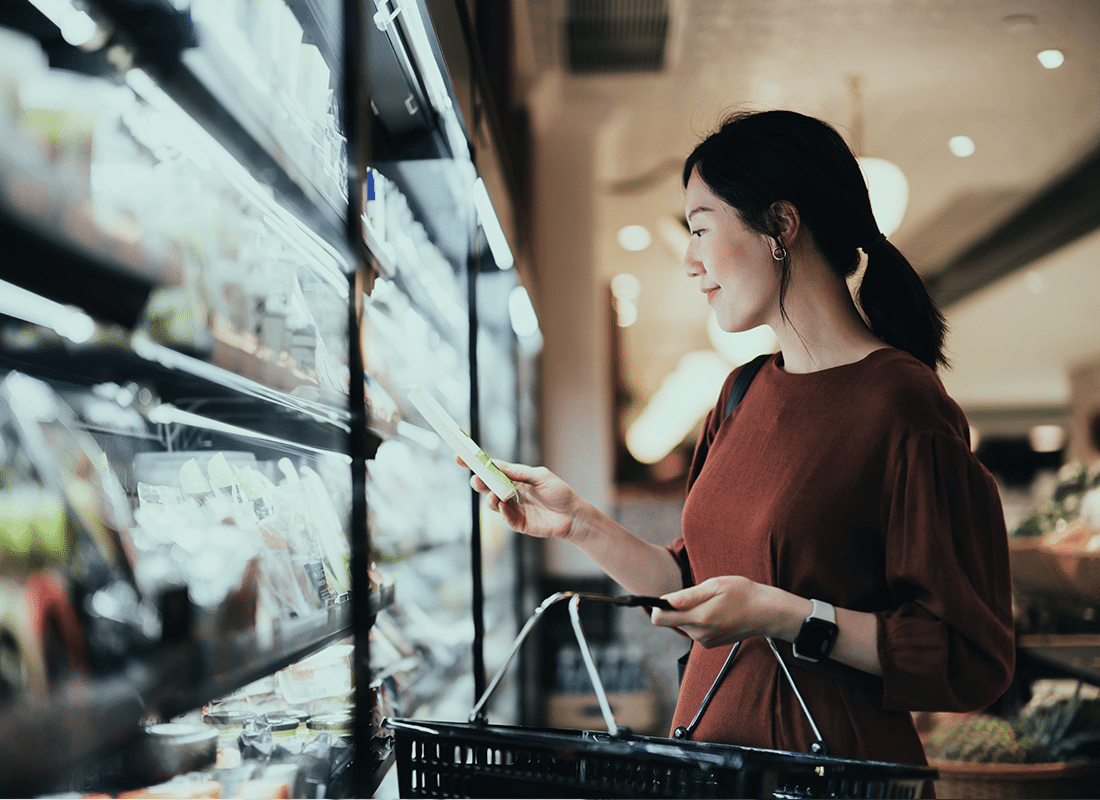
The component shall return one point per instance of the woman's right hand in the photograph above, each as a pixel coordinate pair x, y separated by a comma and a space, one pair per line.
547, 505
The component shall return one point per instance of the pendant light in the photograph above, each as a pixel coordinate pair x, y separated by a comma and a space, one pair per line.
886, 183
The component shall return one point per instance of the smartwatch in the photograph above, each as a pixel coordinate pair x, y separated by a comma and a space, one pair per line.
818, 634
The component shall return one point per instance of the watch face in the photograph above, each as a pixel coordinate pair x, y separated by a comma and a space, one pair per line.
815, 639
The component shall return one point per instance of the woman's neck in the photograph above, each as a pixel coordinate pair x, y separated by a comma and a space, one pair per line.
822, 328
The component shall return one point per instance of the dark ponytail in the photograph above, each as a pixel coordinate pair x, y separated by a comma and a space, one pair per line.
757, 159
898, 307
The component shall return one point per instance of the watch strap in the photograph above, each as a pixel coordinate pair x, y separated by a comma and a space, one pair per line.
823, 610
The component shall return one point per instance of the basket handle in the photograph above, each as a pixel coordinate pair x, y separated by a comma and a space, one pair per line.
478, 716
684, 733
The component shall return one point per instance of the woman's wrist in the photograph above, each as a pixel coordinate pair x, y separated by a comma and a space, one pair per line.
785, 612
581, 523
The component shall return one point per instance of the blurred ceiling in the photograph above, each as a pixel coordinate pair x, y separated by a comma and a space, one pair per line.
1002, 236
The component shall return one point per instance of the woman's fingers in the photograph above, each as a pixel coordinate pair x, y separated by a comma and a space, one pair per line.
714, 612
517, 472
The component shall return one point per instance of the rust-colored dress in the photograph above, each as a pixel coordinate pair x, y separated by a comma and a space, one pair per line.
854, 485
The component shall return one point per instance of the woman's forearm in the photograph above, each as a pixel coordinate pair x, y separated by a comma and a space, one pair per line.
856, 642
635, 564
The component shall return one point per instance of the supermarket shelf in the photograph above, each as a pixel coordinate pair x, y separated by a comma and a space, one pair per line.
42, 741
170, 45
195, 392
202, 91
233, 660
88, 273
323, 26
1075, 655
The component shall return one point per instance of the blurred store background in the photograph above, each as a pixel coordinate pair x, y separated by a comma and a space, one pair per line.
211, 210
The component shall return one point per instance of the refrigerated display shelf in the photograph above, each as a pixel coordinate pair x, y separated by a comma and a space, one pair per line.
425, 308
41, 742
165, 41
323, 26
193, 386
204, 89
88, 273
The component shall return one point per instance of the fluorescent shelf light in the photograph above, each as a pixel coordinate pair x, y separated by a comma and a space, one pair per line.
494, 234
77, 28
521, 313
67, 321
168, 414
200, 145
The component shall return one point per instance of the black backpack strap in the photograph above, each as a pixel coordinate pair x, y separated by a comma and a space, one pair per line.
742, 381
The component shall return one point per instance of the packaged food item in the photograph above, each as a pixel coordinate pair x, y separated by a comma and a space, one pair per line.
172, 748
320, 681
283, 727
465, 447
54, 453
339, 725
62, 506
228, 723
34, 528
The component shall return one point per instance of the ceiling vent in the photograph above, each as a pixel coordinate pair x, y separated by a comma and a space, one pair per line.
616, 36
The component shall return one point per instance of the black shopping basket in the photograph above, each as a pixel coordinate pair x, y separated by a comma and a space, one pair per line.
478, 760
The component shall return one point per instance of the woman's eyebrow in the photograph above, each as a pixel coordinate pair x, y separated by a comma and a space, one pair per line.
696, 210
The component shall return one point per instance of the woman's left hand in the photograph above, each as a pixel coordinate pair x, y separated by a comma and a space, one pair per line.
726, 609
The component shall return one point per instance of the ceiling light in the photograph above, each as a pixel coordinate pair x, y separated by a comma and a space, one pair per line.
634, 238
962, 146
626, 286
1051, 59
889, 192
627, 312
740, 348
886, 183
1047, 438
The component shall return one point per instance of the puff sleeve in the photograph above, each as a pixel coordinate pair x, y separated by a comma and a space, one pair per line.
947, 644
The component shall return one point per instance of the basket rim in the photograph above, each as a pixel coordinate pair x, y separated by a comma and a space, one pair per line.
732, 755
975, 769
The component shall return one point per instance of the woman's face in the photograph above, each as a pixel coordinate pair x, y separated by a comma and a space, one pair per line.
734, 263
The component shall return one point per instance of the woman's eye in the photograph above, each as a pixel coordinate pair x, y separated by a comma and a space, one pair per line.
697, 232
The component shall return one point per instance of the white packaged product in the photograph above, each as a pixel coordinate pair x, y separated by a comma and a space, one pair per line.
466, 448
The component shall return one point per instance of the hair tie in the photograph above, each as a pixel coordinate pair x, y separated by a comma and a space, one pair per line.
867, 248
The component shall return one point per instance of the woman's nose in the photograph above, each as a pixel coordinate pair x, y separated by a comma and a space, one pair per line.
692, 266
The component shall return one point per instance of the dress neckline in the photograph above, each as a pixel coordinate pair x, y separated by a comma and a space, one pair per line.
776, 364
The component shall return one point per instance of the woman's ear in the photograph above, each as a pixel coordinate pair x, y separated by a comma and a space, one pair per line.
785, 221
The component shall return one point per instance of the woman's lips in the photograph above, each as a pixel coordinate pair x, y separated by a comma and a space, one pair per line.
710, 293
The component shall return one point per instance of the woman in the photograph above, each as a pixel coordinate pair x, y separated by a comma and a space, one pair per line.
844, 478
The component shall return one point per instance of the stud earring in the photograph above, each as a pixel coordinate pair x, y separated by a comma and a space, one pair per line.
779, 253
